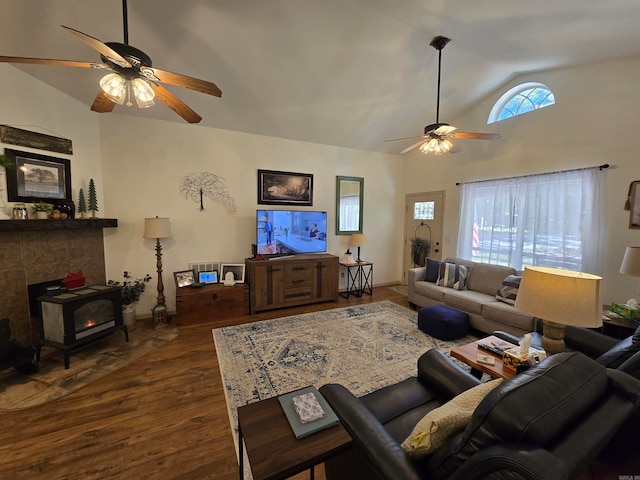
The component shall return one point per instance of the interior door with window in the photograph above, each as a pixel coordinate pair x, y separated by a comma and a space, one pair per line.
423, 219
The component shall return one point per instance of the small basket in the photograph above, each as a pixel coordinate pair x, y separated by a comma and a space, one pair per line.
73, 282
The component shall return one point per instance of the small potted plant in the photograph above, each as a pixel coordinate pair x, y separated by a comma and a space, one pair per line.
41, 210
419, 250
131, 292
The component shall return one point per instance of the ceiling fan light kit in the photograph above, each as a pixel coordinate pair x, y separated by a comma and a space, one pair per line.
437, 138
437, 146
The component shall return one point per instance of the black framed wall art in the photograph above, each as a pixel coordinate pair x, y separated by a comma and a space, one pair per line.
285, 188
36, 177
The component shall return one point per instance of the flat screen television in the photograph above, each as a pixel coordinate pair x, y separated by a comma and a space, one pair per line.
290, 232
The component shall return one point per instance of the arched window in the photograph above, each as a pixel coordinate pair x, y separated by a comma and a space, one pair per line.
521, 99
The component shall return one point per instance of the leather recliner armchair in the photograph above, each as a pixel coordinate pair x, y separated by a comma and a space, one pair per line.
546, 423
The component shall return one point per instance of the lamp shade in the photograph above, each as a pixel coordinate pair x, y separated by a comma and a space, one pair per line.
631, 262
358, 240
157, 228
561, 296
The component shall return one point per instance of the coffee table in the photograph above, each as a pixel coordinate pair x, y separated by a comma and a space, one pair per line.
469, 354
273, 451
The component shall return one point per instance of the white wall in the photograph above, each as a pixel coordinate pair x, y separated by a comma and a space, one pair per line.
144, 162
594, 121
32, 105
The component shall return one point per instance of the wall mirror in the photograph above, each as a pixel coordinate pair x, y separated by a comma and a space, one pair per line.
349, 201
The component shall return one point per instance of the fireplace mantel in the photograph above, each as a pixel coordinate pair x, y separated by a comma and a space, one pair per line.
69, 224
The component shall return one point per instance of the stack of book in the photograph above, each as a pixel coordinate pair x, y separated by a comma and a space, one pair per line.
307, 411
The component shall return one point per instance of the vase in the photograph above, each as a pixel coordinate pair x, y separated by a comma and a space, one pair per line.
42, 215
129, 314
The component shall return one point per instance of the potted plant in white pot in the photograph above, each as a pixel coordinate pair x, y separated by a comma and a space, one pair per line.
131, 292
41, 210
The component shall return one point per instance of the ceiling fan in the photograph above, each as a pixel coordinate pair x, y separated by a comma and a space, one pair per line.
437, 138
131, 73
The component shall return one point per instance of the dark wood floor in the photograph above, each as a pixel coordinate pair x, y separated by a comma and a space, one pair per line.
162, 417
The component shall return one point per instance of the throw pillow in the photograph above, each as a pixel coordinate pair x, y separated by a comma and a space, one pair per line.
453, 276
433, 268
508, 290
433, 430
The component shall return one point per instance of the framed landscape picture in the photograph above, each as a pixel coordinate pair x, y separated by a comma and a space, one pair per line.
285, 188
37, 178
184, 278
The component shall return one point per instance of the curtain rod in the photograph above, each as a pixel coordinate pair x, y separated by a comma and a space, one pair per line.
599, 167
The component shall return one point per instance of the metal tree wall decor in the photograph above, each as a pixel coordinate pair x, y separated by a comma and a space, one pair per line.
195, 186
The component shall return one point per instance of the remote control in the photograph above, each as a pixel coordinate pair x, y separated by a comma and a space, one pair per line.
496, 350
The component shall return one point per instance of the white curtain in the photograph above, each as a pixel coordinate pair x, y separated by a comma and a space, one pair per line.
350, 213
552, 220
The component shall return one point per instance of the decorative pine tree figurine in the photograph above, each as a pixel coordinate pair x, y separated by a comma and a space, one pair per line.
82, 204
93, 200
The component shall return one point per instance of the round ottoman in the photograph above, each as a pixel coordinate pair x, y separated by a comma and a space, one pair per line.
443, 322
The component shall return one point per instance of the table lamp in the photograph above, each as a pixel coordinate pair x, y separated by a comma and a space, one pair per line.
358, 240
158, 228
631, 262
560, 298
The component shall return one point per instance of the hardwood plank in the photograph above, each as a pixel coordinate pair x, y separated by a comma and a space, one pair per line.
163, 416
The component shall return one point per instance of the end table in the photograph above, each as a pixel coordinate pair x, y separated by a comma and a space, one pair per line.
359, 281
273, 450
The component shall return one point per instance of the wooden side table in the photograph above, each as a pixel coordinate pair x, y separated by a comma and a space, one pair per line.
273, 450
359, 281
213, 303
616, 326
469, 354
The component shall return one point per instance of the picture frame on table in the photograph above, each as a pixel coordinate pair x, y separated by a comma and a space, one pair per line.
37, 178
184, 278
236, 268
285, 188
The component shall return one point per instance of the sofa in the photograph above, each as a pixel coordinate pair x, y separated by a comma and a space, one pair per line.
547, 423
478, 300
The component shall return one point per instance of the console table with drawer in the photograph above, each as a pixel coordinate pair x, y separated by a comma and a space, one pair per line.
293, 280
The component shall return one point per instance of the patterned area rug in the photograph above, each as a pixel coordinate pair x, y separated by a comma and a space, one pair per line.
363, 347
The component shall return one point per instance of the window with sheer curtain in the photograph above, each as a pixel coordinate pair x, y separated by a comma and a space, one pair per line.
552, 220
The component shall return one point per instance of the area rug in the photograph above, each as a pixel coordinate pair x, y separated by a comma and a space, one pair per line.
51, 382
363, 347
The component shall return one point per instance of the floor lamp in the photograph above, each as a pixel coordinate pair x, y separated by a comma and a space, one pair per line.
560, 298
158, 228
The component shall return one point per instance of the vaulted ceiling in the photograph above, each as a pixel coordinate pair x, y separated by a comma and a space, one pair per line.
350, 73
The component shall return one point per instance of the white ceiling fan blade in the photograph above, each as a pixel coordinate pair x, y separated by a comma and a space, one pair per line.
408, 149
445, 130
405, 138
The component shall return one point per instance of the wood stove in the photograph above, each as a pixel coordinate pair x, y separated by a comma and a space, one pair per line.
79, 316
